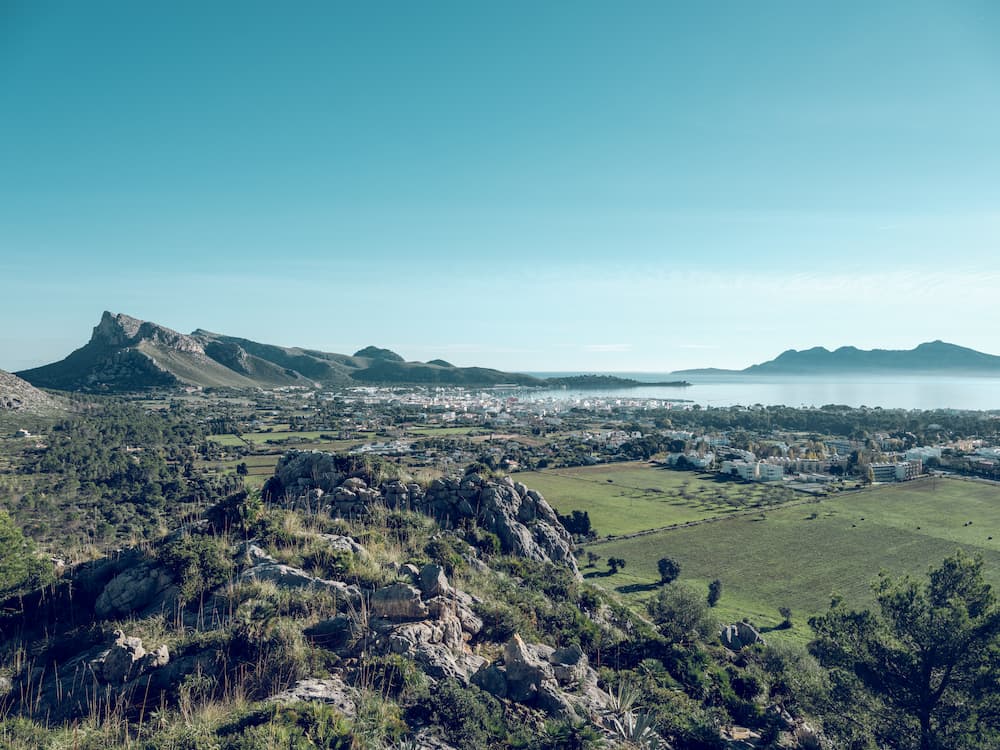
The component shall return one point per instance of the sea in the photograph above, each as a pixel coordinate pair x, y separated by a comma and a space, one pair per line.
887, 391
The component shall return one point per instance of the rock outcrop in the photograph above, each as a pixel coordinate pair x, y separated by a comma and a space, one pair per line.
127, 659
287, 577
524, 522
740, 635
557, 681
140, 588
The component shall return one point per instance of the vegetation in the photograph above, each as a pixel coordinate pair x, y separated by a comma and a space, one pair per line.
626, 498
826, 542
186, 486
923, 670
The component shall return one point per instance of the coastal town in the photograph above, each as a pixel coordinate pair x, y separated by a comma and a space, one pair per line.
441, 429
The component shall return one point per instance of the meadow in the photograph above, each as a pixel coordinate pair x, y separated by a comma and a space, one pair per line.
800, 556
624, 498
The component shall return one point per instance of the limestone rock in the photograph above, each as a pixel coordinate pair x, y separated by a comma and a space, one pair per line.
740, 635
127, 659
287, 577
332, 691
133, 590
525, 671
433, 581
398, 601
344, 544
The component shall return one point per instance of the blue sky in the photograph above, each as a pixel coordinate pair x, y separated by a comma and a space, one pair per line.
558, 186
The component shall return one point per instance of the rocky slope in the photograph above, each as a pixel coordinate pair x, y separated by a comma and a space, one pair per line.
19, 395
345, 619
524, 523
126, 354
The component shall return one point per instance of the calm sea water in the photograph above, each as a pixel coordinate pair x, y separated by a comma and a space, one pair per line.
898, 392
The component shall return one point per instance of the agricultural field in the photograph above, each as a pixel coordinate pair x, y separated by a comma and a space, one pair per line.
624, 498
799, 556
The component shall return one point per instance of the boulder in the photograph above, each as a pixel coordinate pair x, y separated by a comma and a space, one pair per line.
287, 577
397, 602
492, 679
133, 590
525, 670
740, 635
332, 691
433, 581
127, 659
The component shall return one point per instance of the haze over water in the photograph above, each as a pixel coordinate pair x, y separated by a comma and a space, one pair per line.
890, 392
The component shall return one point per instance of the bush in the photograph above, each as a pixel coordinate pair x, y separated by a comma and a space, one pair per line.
471, 718
197, 563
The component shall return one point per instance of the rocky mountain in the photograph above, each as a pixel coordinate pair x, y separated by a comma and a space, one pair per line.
934, 357
19, 395
126, 354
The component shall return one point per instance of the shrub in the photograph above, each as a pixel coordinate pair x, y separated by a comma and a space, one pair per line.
197, 563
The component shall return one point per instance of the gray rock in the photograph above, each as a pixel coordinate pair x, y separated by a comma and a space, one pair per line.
492, 679
134, 589
398, 602
344, 544
740, 635
287, 577
525, 671
127, 659
433, 581
331, 691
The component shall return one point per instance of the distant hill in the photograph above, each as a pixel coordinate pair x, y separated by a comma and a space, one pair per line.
17, 395
929, 358
128, 354
374, 352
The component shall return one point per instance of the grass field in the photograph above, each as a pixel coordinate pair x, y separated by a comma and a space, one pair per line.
624, 498
801, 555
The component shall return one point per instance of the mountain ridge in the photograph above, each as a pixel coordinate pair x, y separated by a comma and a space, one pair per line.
927, 358
125, 354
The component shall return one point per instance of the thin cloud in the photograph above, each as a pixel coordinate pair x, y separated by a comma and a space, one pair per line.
607, 347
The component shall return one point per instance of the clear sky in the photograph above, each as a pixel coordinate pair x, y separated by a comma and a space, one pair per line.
530, 186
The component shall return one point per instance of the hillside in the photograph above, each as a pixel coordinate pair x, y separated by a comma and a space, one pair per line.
127, 354
928, 358
364, 625
18, 395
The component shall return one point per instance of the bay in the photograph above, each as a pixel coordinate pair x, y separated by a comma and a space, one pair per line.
887, 391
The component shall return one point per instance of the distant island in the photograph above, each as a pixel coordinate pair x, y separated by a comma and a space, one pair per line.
931, 358
608, 381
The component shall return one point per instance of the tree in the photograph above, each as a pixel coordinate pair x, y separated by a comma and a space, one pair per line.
592, 558
923, 671
669, 569
614, 563
714, 592
786, 616
20, 568
681, 614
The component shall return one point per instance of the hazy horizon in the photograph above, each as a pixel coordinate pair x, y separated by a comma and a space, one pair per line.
556, 187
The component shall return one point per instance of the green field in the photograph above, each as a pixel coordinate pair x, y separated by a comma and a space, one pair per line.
799, 556
628, 497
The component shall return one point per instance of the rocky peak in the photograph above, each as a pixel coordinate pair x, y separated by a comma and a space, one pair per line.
118, 330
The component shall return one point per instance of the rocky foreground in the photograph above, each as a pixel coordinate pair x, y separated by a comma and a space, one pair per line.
451, 615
